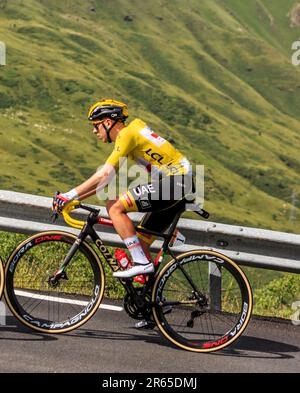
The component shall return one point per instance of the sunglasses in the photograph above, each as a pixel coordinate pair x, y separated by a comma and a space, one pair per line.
96, 125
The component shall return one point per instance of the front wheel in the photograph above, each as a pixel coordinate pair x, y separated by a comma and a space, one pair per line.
209, 297
40, 300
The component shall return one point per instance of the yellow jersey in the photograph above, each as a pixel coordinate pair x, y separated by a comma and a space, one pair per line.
138, 142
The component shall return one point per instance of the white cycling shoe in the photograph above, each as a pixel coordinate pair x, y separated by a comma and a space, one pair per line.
145, 324
135, 270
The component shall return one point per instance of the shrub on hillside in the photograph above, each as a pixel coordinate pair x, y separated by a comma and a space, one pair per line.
277, 296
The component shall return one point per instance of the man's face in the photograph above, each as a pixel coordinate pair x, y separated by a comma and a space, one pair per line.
99, 130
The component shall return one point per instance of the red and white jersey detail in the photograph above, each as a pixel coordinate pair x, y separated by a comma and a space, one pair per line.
152, 136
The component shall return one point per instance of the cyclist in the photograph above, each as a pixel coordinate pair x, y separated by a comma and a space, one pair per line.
160, 199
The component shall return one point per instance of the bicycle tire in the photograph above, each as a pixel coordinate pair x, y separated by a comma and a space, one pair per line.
229, 305
2, 279
38, 304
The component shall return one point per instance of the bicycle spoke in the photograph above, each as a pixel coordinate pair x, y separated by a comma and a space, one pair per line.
45, 302
209, 294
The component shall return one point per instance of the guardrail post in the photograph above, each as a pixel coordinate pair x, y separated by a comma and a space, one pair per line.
2, 314
215, 284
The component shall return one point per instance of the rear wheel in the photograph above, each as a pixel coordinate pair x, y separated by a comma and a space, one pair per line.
211, 301
47, 304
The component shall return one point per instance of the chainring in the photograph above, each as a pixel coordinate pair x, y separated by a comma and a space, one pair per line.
133, 310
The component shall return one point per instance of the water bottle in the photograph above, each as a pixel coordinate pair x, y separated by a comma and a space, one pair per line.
124, 263
122, 258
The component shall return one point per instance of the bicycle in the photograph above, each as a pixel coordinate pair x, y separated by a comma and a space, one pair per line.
55, 283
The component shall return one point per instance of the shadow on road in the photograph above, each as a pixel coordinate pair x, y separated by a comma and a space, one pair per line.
24, 333
246, 346
148, 336
260, 348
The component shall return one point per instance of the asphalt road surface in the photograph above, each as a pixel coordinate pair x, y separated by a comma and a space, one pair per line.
109, 343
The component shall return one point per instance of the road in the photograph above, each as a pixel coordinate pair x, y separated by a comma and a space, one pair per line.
109, 343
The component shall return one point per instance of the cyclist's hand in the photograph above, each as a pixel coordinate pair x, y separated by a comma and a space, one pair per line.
59, 201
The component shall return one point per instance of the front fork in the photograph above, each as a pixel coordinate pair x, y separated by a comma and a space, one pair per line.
61, 272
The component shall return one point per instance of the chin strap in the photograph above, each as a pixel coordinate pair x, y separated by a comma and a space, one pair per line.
108, 130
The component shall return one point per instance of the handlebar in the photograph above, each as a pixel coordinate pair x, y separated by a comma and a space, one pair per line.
72, 206
78, 223
68, 219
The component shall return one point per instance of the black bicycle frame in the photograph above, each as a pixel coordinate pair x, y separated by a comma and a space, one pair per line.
88, 230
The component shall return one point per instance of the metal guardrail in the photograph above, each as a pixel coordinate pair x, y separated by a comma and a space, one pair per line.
25, 213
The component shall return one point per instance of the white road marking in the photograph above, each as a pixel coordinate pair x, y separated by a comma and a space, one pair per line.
64, 300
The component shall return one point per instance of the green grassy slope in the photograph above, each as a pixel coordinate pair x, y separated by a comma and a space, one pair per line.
224, 63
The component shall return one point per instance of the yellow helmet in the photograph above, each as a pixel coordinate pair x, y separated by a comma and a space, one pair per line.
115, 110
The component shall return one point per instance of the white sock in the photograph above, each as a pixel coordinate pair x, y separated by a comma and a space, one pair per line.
137, 254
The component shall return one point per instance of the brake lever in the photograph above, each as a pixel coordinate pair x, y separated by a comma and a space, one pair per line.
54, 216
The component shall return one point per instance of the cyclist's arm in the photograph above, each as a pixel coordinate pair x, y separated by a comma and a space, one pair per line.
123, 146
96, 182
